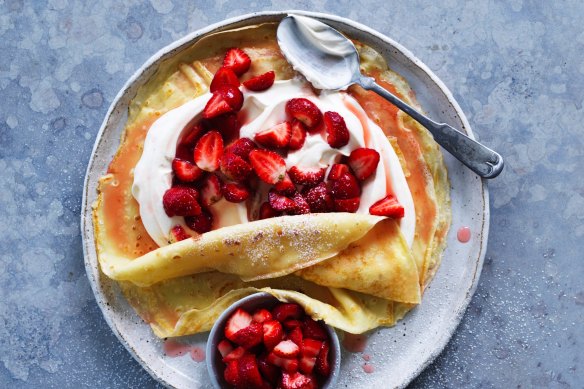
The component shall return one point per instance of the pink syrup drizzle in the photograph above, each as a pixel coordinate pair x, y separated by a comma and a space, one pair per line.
463, 234
354, 343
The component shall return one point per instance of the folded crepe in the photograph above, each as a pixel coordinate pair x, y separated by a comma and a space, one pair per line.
355, 272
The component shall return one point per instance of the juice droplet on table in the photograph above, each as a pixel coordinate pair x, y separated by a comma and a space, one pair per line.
175, 349
367, 368
198, 354
463, 234
354, 343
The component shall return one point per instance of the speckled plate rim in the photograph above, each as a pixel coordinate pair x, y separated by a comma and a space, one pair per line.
119, 105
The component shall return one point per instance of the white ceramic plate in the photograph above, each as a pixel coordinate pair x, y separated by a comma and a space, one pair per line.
398, 354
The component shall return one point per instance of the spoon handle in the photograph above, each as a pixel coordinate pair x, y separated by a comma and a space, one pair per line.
477, 157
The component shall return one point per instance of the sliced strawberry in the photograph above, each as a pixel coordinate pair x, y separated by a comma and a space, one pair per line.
211, 190
179, 233
286, 349
336, 129
306, 175
241, 147
302, 206
281, 203
268, 165
191, 135
249, 373
200, 223
314, 330
306, 364
347, 205
224, 76
217, 105
306, 111
345, 187
208, 151
234, 355
181, 201
261, 315
266, 211
276, 137
231, 373
269, 371
227, 124
337, 170
237, 321
298, 135
250, 336
297, 381
273, 333
322, 363
225, 347
319, 198
311, 347
387, 206
186, 171
288, 364
261, 82
363, 162
234, 167
232, 95
291, 324
296, 335
237, 60
285, 311
285, 187
234, 192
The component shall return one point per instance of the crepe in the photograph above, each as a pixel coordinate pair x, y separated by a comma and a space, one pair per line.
359, 274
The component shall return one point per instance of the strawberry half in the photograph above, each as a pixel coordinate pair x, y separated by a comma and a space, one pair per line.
225, 347
217, 105
200, 223
191, 135
288, 364
241, 147
313, 329
336, 130
181, 201
306, 111
286, 349
234, 192
306, 175
211, 190
250, 336
345, 187
249, 373
297, 381
337, 170
224, 76
237, 60
266, 211
261, 315
302, 206
322, 364
268, 165
227, 124
285, 187
232, 96
319, 198
186, 171
234, 167
387, 206
285, 311
179, 233
269, 371
311, 347
364, 162
347, 205
281, 203
298, 135
208, 151
236, 322
276, 137
296, 335
273, 333
234, 355
231, 373
261, 82
306, 364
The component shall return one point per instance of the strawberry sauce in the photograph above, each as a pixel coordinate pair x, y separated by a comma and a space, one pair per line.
463, 234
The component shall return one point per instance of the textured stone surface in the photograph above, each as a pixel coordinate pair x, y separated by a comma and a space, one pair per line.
515, 67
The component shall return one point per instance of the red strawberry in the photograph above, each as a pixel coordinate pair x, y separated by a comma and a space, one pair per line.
227, 124
186, 171
234, 167
298, 135
181, 201
288, 364
306, 364
285, 187
285, 311
249, 373
191, 135
241, 147
306, 111
266, 211
208, 151
211, 190
311, 347
232, 95
345, 187
237, 321
276, 137
225, 347
347, 205
291, 324
269, 371
268, 165
302, 206
336, 129
179, 233
217, 105
261, 315
234, 192
231, 373
296, 335
261, 82
250, 336
237, 60
281, 203
286, 349
387, 206
234, 355
322, 364
224, 76
297, 381
273, 333
314, 330
200, 223
306, 175
337, 170
363, 162
319, 199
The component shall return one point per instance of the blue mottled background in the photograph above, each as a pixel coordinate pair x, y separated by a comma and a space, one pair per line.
516, 68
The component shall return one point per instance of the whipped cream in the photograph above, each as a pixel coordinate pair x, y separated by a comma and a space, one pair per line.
153, 173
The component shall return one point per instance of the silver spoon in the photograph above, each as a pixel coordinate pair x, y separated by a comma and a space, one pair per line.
330, 61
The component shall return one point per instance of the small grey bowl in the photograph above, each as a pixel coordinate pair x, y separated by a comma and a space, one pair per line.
250, 304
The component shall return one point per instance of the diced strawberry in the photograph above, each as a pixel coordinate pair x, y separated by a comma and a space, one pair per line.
217, 105
306, 111
311, 347
306, 175
298, 135
266, 211
234, 192
208, 151
192, 135
250, 336
225, 347
347, 205
179, 233
261, 315
285, 187
297, 381
234, 167
249, 373
227, 124
237, 60
337, 170
306, 364
241, 147
224, 76
181, 201
363, 162
314, 330
286, 349
273, 333
232, 95
200, 223
302, 206
285, 311
261, 82
281, 203
345, 187
296, 334
211, 190
269, 371
336, 129
268, 165
237, 321
186, 171
319, 198
231, 373
322, 363
387, 206
276, 137
288, 364
234, 355
291, 324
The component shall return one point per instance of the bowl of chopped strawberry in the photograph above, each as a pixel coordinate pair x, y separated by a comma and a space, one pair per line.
260, 342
